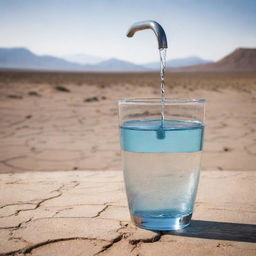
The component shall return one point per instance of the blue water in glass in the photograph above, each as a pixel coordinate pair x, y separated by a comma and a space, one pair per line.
161, 170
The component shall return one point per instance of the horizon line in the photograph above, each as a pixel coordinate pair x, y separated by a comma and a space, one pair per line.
115, 58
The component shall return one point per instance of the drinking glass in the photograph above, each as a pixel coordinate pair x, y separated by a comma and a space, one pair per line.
161, 159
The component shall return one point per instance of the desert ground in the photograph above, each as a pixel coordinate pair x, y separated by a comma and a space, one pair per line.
69, 121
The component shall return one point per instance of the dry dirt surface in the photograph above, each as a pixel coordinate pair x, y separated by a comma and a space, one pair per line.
76, 213
68, 121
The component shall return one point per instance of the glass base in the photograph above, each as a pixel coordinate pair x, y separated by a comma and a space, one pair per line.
160, 222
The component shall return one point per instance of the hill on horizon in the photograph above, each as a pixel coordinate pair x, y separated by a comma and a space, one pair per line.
82, 58
22, 58
241, 59
180, 62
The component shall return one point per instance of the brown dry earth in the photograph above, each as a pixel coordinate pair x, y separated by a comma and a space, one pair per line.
76, 213
47, 128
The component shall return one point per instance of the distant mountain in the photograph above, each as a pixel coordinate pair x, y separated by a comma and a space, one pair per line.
83, 58
22, 58
182, 62
241, 59
118, 65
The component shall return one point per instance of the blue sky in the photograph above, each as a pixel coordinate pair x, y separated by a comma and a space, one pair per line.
205, 28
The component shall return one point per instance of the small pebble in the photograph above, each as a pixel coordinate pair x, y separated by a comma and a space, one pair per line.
92, 99
33, 93
62, 89
13, 96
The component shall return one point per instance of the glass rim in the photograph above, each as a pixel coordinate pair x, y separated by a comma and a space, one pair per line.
158, 100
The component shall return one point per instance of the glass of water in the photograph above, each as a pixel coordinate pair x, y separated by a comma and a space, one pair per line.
161, 159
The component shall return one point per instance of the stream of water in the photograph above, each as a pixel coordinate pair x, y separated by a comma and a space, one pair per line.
162, 53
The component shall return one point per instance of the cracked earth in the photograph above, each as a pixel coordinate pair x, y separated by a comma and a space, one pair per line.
47, 133
45, 129
85, 213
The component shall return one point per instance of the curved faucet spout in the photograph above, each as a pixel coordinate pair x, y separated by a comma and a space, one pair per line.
150, 24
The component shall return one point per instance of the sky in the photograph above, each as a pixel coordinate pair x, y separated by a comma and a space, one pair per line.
206, 28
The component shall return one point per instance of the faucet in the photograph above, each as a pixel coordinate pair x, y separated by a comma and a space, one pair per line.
150, 24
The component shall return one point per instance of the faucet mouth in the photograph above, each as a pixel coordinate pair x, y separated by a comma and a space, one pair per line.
150, 24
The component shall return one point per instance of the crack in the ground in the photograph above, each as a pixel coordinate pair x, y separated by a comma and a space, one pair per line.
15, 167
124, 237
17, 122
12, 158
114, 241
31, 248
248, 150
7, 164
46, 199
59, 191
18, 211
20, 224
28, 249
13, 228
21, 203
37, 205
146, 240
101, 211
61, 210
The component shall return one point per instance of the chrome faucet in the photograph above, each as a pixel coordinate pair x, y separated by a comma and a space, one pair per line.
150, 24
